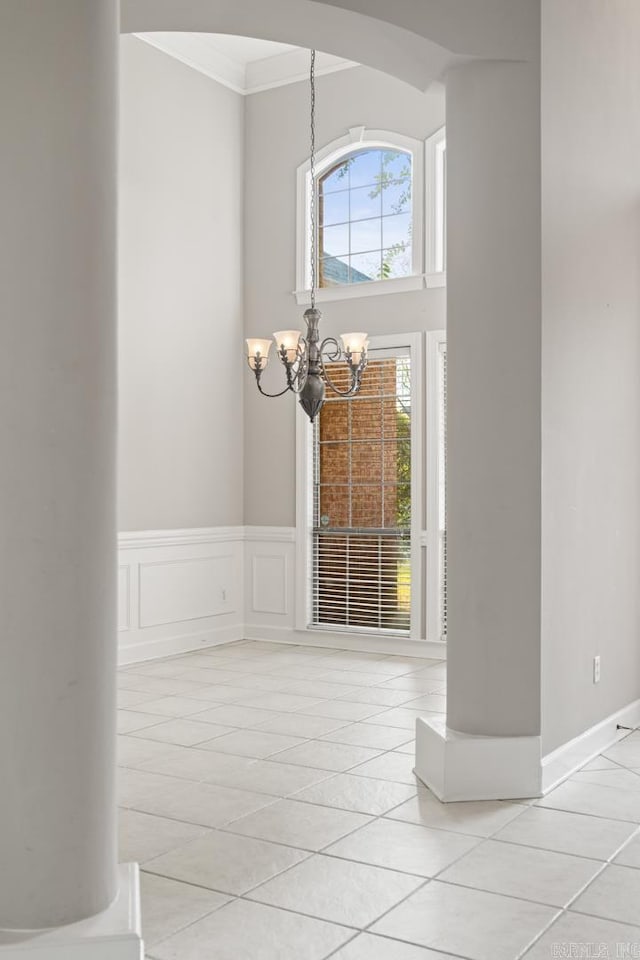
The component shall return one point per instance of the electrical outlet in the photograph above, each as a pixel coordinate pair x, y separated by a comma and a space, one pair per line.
223, 595
596, 669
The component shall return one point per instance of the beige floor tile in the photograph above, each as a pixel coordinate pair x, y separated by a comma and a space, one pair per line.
327, 756
252, 743
516, 871
629, 856
594, 800
217, 695
133, 752
130, 699
304, 825
301, 725
206, 804
403, 846
474, 924
618, 779
131, 720
251, 931
402, 717
567, 832
281, 702
354, 894
345, 710
236, 715
367, 735
626, 752
142, 836
477, 818
379, 696
173, 706
191, 763
614, 895
360, 794
184, 733
226, 862
274, 778
322, 688
390, 766
168, 906
573, 933
367, 946
431, 702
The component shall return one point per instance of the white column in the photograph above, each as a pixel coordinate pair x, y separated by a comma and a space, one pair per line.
58, 93
493, 435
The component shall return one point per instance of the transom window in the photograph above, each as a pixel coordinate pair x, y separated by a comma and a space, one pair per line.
365, 220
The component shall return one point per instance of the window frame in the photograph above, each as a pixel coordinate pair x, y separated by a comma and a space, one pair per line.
413, 342
356, 139
435, 209
436, 340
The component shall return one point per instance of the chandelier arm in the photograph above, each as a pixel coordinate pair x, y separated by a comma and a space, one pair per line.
334, 354
341, 393
287, 389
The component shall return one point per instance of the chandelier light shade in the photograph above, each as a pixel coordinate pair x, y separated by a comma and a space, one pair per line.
305, 357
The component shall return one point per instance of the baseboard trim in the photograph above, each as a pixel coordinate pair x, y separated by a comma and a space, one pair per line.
458, 766
111, 935
181, 643
399, 646
565, 760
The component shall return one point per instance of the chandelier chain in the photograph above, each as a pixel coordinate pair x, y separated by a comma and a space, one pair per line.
312, 217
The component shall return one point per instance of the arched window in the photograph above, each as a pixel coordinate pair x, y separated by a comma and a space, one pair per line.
369, 216
365, 222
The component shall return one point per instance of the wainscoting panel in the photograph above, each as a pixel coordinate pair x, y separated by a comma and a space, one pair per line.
269, 564
179, 590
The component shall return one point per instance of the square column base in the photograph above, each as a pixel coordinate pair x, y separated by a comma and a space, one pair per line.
460, 766
112, 935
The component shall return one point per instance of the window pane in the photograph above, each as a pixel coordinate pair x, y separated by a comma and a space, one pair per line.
334, 462
334, 506
396, 262
396, 197
365, 168
396, 164
365, 235
334, 207
333, 271
366, 506
366, 462
395, 229
365, 202
366, 416
337, 178
334, 241
365, 266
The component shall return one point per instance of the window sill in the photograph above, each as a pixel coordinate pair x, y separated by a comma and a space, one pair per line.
373, 288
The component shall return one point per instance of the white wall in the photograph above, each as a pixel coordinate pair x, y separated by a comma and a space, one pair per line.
277, 141
181, 165
591, 361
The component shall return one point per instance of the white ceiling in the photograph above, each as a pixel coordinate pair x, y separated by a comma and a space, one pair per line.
244, 64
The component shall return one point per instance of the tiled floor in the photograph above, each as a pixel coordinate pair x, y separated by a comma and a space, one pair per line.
267, 792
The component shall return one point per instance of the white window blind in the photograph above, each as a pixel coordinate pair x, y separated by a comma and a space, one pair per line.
361, 569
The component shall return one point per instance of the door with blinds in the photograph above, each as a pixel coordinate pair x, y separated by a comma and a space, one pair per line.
363, 477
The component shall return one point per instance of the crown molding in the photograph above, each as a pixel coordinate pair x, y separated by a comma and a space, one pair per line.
255, 76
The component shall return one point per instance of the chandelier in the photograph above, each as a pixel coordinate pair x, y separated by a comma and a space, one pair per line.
305, 358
